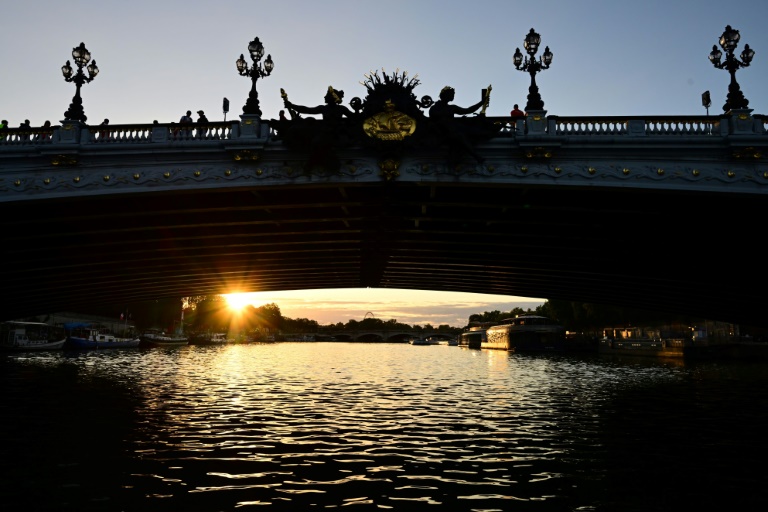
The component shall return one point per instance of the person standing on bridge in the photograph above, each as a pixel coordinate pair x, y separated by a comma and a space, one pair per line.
3, 128
516, 115
185, 119
201, 121
46, 132
103, 133
25, 127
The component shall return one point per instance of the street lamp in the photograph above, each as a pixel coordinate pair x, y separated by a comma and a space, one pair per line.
533, 66
82, 57
256, 71
706, 100
728, 42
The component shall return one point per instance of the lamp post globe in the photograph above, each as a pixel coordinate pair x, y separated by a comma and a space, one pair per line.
82, 58
255, 71
532, 42
256, 49
729, 40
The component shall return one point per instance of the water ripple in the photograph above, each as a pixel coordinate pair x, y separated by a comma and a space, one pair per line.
299, 426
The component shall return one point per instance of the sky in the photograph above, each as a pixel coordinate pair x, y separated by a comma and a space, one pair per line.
160, 58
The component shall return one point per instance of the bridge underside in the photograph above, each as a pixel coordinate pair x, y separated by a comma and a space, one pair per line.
644, 248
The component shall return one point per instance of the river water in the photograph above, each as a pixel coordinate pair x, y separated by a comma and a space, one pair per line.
315, 426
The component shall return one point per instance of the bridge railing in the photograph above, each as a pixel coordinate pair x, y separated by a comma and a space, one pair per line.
117, 134
29, 137
174, 133
648, 125
169, 132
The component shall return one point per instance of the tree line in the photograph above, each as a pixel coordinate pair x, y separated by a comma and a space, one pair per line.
212, 313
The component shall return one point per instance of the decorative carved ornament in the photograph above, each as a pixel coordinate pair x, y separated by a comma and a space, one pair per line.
63, 160
389, 124
389, 169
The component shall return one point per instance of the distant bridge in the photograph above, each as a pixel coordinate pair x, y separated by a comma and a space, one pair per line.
651, 212
392, 336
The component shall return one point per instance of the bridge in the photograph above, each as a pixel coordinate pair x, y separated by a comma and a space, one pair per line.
369, 335
654, 212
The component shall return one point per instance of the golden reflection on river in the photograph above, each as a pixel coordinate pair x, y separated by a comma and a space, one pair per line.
302, 426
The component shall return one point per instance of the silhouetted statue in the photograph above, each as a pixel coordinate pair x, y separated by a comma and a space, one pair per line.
324, 136
453, 132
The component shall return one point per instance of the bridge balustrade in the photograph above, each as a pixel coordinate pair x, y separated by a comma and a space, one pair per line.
593, 126
693, 125
630, 126
116, 134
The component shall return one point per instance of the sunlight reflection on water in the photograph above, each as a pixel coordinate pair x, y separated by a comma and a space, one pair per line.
314, 425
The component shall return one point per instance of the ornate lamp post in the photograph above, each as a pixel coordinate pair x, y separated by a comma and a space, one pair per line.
532, 41
256, 71
82, 57
728, 42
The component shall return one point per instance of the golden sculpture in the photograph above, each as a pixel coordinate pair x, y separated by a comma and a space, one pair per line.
487, 96
390, 124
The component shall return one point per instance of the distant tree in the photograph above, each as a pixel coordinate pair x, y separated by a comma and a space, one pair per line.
300, 325
270, 316
496, 315
371, 323
210, 313
190, 303
589, 317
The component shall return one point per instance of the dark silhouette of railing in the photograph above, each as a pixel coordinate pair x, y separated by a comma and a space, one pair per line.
551, 126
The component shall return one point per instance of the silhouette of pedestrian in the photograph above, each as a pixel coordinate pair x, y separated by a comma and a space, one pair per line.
25, 126
46, 133
201, 120
185, 119
103, 133
517, 114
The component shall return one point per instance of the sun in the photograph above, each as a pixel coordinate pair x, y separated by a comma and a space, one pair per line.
237, 301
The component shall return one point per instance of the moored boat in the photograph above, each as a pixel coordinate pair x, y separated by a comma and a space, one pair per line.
19, 335
210, 338
473, 337
422, 341
157, 338
525, 333
88, 337
643, 347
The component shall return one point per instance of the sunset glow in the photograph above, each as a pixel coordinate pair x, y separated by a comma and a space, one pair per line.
237, 301
330, 306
